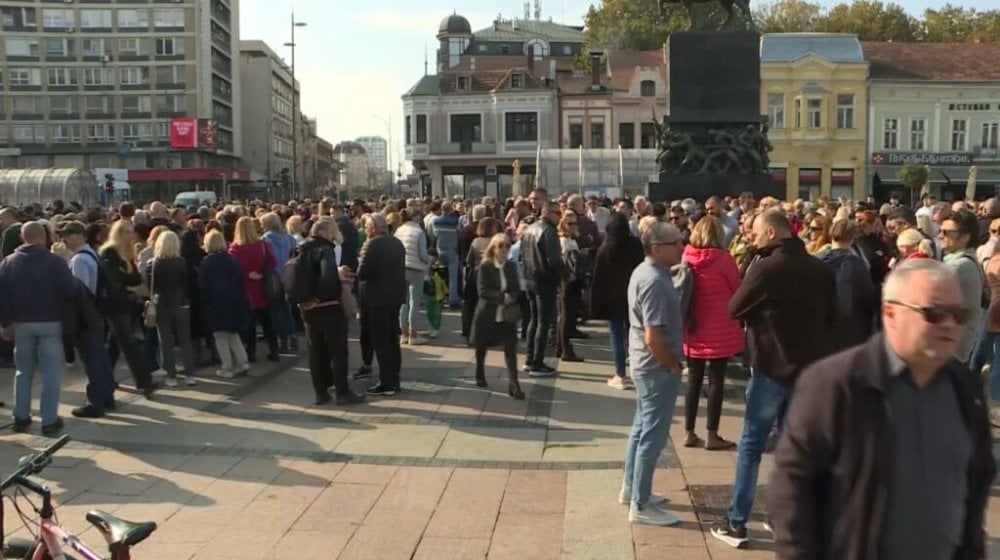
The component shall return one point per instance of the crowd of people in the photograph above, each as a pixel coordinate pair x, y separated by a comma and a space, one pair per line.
836, 293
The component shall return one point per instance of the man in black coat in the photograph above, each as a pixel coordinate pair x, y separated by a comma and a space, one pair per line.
788, 302
382, 273
887, 451
541, 255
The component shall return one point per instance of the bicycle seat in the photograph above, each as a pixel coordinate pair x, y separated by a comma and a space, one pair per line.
118, 532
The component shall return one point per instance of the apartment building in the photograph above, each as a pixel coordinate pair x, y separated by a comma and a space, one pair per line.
95, 84
269, 97
378, 151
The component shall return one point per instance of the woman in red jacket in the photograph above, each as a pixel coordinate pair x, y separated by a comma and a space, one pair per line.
712, 336
253, 256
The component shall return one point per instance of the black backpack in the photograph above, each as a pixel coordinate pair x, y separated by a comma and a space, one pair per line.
102, 292
297, 279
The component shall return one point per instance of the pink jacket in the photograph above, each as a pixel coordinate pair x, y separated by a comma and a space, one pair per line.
252, 258
715, 334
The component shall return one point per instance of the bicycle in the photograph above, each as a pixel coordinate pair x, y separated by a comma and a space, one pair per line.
52, 539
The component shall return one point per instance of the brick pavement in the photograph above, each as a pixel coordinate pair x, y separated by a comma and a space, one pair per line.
445, 470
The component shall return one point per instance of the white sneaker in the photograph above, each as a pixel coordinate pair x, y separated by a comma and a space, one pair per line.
651, 515
224, 374
768, 528
617, 383
159, 372
625, 496
170, 382
179, 369
433, 333
417, 340
190, 381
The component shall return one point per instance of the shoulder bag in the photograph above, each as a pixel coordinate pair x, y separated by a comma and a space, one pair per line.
149, 310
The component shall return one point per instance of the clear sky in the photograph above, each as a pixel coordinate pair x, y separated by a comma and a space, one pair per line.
355, 59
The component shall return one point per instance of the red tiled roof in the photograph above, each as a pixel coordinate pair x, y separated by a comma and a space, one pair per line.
506, 62
958, 62
622, 65
484, 81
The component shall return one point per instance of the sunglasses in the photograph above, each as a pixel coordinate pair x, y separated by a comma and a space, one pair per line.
937, 315
570, 223
995, 231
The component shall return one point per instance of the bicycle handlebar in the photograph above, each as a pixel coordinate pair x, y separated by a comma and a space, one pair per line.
33, 464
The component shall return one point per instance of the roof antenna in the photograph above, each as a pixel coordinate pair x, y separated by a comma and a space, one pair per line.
527, 11
538, 10
425, 59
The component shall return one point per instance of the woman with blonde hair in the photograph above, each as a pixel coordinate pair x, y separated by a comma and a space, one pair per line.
711, 336
497, 312
122, 305
295, 227
817, 232
913, 245
255, 259
222, 287
571, 288
168, 284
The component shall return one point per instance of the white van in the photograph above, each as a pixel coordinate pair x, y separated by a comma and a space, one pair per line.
194, 199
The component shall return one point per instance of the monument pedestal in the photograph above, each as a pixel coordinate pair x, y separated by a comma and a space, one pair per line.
714, 139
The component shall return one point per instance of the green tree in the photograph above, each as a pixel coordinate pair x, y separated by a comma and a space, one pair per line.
986, 26
872, 20
914, 177
642, 25
949, 24
789, 16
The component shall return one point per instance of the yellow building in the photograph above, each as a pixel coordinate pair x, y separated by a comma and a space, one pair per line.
814, 91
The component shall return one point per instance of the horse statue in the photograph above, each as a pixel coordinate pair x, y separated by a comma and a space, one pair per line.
727, 5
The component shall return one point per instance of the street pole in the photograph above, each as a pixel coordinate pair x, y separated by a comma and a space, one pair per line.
295, 115
388, 151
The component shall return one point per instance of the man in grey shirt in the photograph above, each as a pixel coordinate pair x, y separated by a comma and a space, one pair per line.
654, 343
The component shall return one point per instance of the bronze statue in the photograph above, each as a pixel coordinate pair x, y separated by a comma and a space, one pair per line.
727, 5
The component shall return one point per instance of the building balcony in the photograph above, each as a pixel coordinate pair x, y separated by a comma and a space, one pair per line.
980, 153
463, 148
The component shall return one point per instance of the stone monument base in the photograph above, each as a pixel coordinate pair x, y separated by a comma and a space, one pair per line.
701, 186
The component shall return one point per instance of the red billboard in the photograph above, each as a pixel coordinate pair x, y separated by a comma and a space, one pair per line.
192, 134
183, 134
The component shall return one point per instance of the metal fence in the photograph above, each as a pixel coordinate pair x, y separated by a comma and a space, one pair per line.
614, 171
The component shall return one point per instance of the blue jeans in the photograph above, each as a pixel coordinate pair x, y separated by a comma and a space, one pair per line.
38, 346
410, 310
765, 401
655, 397
983, 352
97, 366
619, 343
544, 313
989, 347
454, 289
281, 318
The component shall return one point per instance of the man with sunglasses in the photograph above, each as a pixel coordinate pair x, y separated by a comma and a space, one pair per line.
541, 255
887, 451
957, 237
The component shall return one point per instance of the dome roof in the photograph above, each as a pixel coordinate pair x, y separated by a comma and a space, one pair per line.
455, 25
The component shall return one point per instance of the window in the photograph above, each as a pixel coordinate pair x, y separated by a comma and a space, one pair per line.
517, 81
22, 47
133, 19
626, 135
98, 77
62, 77
504, 49
25, 134
18, 17
959, 127
171, 103
597, 134
163, 130
798, 113
421, 129
26, 105
466, 129
95, 19
65, 133
59, 47
132, 75
175, 75
647, 88
130, 46
464, 83
408, 130
776, 110
98, 104
135, 104
101, 132
63, 105
137, 131
575, 135
521, 127
168, 18
918, 133
93, 47
25, 77
167, 47
58, 18
647, 135
989, 140
845, 111
815, 108
890, 134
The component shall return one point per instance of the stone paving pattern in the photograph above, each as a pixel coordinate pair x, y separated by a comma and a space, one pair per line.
249, 469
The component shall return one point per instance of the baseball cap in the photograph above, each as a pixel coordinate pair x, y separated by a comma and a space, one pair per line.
72, 228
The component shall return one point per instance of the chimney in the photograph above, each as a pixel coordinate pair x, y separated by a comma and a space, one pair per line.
595, 70
531, 59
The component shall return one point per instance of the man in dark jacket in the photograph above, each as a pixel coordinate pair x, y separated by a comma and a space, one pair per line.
35, 284
324, 316
541, 256
788, 302
887, 451
349, 233
382, 272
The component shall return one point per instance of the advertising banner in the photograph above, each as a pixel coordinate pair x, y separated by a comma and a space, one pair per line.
183, 133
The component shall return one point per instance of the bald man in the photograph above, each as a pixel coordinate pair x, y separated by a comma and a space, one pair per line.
35, 284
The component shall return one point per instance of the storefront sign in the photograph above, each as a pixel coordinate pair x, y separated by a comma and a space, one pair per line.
921, 158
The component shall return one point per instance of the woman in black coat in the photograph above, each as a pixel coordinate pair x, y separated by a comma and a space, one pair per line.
226, 307
617, 257
497, 311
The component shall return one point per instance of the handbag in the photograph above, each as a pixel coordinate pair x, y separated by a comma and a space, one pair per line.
511, 313
149, 309
273, 291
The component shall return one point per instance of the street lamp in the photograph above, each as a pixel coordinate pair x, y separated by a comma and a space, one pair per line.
295, 111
